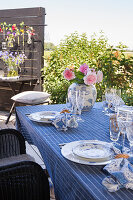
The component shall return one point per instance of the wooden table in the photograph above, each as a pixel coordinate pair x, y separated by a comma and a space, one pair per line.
21, 80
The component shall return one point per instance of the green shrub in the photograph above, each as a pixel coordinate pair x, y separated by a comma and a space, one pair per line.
75, 50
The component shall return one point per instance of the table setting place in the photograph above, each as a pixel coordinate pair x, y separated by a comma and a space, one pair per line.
120, 169
116, 159
68, 117
61, 120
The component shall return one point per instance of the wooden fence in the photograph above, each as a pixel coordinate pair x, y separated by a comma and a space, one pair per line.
32, 17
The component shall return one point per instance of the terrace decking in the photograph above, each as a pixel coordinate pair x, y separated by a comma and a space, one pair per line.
30, 149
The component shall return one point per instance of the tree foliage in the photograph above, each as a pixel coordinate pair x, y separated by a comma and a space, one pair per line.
48, 46
75, 50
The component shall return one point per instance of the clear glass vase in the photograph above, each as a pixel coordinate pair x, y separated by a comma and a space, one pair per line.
12, 71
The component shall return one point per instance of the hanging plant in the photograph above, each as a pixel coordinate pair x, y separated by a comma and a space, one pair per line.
30, 32
2, 30
11, 31
22, 31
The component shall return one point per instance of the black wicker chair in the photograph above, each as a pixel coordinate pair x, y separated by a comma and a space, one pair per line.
12, 143
20, 179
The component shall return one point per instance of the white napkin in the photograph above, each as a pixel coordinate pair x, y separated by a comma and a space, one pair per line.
65, 120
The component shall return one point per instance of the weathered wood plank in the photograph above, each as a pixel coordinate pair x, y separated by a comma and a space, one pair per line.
22, 12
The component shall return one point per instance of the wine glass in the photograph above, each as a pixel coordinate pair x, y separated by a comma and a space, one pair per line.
109, 92
129, 130
80, 97
71, 102
116, 102
105, 105
114, 129
113, 97
122, 114
68, 103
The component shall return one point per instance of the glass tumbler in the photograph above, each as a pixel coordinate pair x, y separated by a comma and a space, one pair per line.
114, 129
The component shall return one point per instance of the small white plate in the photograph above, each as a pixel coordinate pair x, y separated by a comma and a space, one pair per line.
67, 152
43, 116
94, 151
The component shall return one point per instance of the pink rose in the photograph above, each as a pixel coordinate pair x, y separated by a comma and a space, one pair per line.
68, 74
90, 78
84, 68
99, 76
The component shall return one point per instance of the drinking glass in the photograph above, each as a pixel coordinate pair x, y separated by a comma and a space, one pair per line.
114, 129
118, 92
129, 130
80, 96
71, 102
109, 92
116, 102
122, 118
113, 97
105, 105
68, 103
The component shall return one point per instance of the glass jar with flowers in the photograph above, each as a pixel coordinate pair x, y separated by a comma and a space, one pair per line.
83, 80
30, 32
12, 60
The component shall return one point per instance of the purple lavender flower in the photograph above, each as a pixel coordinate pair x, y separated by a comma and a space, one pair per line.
11, 55
13, 33
8, 32
1, 53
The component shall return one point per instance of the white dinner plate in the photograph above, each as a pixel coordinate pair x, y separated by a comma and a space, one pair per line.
43, 116
67, 152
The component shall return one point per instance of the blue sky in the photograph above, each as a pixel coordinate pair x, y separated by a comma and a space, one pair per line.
113, 17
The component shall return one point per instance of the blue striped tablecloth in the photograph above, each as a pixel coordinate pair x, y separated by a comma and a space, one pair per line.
72, 181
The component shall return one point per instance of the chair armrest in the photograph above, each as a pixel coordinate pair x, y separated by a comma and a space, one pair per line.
15, 159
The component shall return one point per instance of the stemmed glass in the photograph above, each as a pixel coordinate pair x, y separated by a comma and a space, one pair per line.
80, 96
109, 96
129, 130
105, 105
68, 103
71, 102
116, 101
113, 97
122, 115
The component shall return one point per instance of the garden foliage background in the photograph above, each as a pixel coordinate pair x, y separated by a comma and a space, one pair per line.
75, 49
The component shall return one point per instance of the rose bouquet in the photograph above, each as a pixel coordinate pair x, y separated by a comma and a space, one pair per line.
83, 75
